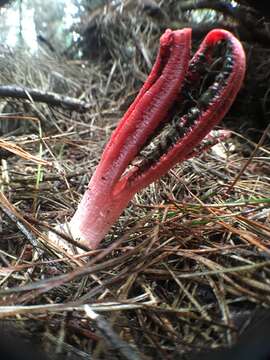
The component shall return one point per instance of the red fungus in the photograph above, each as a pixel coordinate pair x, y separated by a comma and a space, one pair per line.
158, 106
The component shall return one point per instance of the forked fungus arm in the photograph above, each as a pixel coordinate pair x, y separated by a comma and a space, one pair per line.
166, 112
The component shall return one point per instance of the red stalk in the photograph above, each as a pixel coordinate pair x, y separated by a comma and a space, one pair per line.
113, 185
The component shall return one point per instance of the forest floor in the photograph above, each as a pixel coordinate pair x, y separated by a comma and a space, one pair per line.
187, 264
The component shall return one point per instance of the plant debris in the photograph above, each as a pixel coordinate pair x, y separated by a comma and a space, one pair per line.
186, 264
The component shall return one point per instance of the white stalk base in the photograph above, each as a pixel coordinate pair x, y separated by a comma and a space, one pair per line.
59, 241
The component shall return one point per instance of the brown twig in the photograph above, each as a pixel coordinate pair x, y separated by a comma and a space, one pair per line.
50, 98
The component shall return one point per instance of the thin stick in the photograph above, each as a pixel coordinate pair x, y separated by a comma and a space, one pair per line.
111, 337
33, 241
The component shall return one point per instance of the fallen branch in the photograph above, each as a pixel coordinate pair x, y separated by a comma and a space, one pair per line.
50, 98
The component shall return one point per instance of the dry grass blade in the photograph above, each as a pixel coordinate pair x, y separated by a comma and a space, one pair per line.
17, 150
260, 143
